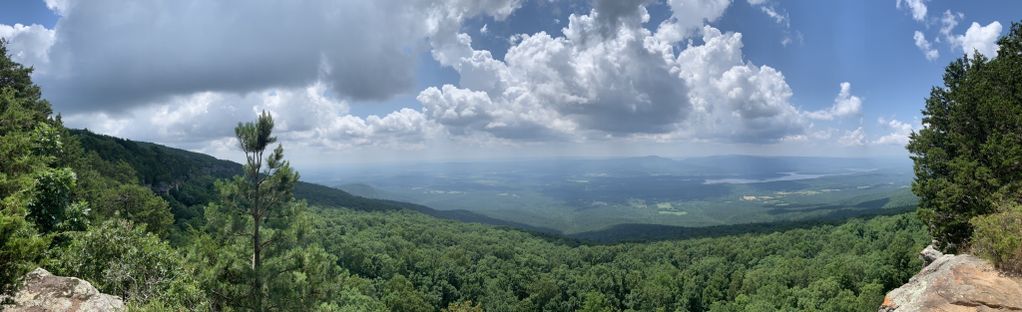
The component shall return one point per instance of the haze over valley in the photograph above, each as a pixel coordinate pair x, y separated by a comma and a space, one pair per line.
584, 195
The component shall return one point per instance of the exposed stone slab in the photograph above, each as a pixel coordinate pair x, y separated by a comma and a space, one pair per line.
45, 292
955, 283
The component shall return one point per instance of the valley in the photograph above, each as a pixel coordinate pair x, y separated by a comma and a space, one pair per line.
574, 196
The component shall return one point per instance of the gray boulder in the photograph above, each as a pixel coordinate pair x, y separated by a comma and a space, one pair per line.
44, 292
930, 254
956, 283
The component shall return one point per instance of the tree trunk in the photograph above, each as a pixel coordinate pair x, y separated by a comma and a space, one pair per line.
257, 281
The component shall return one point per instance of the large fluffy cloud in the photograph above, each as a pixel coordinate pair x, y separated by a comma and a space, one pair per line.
139, 71
735, 100
111, 55
978, 38
28, 44
611, 77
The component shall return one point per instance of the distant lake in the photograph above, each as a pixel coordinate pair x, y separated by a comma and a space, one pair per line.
784, 176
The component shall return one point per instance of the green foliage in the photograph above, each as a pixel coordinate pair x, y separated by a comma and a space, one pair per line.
969, 151
263, 259
825, 268
52, 208
998, 237
124, 260
401, 296
186, 179
595, 302
137, 204
20, 248
18, 79
464, 306
27, 144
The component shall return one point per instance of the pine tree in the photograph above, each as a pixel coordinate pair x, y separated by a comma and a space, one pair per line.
260, 208
968, 156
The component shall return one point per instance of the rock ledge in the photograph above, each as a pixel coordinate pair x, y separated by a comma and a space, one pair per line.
955, 283
43, 292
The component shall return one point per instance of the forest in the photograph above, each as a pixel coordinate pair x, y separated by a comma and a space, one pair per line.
184, 235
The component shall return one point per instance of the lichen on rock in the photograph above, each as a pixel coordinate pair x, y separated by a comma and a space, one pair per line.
42, 291
955, 283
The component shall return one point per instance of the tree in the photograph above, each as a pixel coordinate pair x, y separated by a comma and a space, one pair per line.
595, 302
18, 80
52, 208
464, 306
20, 245
137, 204
968, 156
29, 141
256, 220
401, 296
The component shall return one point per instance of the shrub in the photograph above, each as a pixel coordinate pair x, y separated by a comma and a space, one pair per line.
124, 260
998, 238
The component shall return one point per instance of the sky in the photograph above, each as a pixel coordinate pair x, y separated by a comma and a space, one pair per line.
381, 81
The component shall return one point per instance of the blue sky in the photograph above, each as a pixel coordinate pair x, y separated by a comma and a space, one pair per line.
369, 81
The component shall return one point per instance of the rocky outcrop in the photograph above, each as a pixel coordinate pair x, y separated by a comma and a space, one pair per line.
955, 283
929, 255
44, 292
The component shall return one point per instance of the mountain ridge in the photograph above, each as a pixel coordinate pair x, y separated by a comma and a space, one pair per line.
188, 183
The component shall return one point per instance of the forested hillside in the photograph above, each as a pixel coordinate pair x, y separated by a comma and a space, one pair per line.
185, 179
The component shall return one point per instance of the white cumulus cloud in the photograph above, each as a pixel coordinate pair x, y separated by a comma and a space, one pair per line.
948, 22
29, 45
924, 46
978, 38
916, 7
899, 134
845, 105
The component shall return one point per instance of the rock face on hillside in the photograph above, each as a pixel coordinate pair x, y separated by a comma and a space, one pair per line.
44, 292
955, 283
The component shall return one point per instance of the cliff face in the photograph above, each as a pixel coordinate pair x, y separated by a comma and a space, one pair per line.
42, 292
955, 283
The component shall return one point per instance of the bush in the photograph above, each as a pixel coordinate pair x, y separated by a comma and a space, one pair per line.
124, 260
20, 248
998, 238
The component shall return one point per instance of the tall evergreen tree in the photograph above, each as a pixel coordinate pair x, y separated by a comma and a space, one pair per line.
262, 193
257, 251
968, 156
